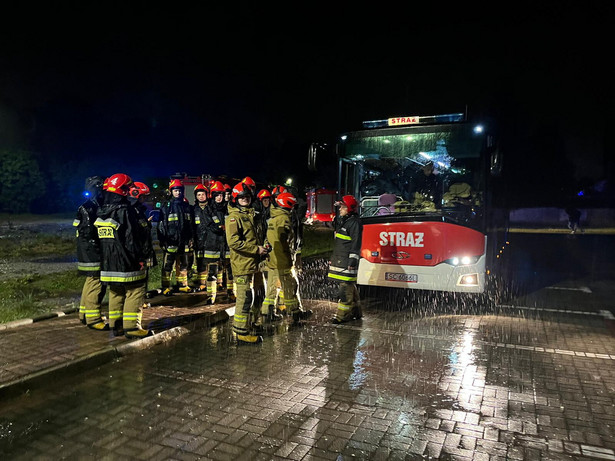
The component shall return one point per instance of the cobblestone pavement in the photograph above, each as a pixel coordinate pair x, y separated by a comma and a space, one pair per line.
513, 384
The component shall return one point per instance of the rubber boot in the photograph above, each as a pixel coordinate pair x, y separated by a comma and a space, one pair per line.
272, 315
137, 333
300, 315
118, 328
100, 326
212, 290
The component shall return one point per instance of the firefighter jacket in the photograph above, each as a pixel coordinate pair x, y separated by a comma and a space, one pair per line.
88, 245
346, 249
148, 246
242, 240
280, 236
209, 230
175, 227
121, 241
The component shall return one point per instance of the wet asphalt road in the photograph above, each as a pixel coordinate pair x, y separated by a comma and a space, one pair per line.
420, 376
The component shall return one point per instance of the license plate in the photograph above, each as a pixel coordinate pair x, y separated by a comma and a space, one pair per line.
400, 277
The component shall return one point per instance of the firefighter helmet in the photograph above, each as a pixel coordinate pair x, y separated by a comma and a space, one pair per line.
118, 183
248, 181
216, 188
201, 188
263, 193
138, 189
350, 202
277, 190
176, 184
241, 190
286, 200
93, 186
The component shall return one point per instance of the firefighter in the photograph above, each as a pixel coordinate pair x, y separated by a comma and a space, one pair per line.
345, 259
280, 238
258, 281
138, 193
123, 261
212, 238
88, 255
176, 237
225, 276
200, 234
264, 197
245, 257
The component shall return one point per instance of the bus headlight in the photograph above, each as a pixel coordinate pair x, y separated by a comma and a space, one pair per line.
462, 260
468, 280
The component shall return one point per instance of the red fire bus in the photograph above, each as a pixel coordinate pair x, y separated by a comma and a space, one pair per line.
423, 184
320, 206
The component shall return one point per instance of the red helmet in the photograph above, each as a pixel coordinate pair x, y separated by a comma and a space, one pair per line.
216, 188
263, 193
277, 190
248, 181
176, 184
350, 202
227, 188
138, 189
286, 200
201, 188
118, 183
241, 190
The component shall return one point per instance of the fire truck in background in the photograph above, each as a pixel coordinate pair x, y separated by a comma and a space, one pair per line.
424, 185
320, 208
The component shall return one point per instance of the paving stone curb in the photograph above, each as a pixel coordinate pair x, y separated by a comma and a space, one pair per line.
105, 355
38, 318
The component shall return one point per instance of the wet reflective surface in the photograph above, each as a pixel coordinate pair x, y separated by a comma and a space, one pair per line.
417, 379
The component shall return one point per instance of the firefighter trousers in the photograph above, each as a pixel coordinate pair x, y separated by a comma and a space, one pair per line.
182, 262
92, 295
348, 305
126, 304
250, 293
289, 287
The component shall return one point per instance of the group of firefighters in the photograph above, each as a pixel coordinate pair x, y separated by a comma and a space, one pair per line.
243, 243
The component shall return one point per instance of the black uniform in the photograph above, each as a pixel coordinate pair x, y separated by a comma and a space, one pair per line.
176, 236
123, 262
88, 254
344, 264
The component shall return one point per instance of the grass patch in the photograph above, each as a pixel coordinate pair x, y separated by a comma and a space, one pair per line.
29, 296
36, 245
317, 240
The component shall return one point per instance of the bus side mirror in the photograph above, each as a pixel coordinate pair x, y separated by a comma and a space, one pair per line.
496, 162
312, 156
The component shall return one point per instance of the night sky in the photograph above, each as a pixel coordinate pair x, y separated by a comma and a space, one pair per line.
151, 90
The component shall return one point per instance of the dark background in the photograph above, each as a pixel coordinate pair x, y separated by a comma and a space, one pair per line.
243, 90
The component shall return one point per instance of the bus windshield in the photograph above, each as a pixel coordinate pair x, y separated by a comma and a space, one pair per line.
419, 170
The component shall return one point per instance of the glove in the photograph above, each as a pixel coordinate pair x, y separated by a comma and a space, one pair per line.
141, 265
352, 264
